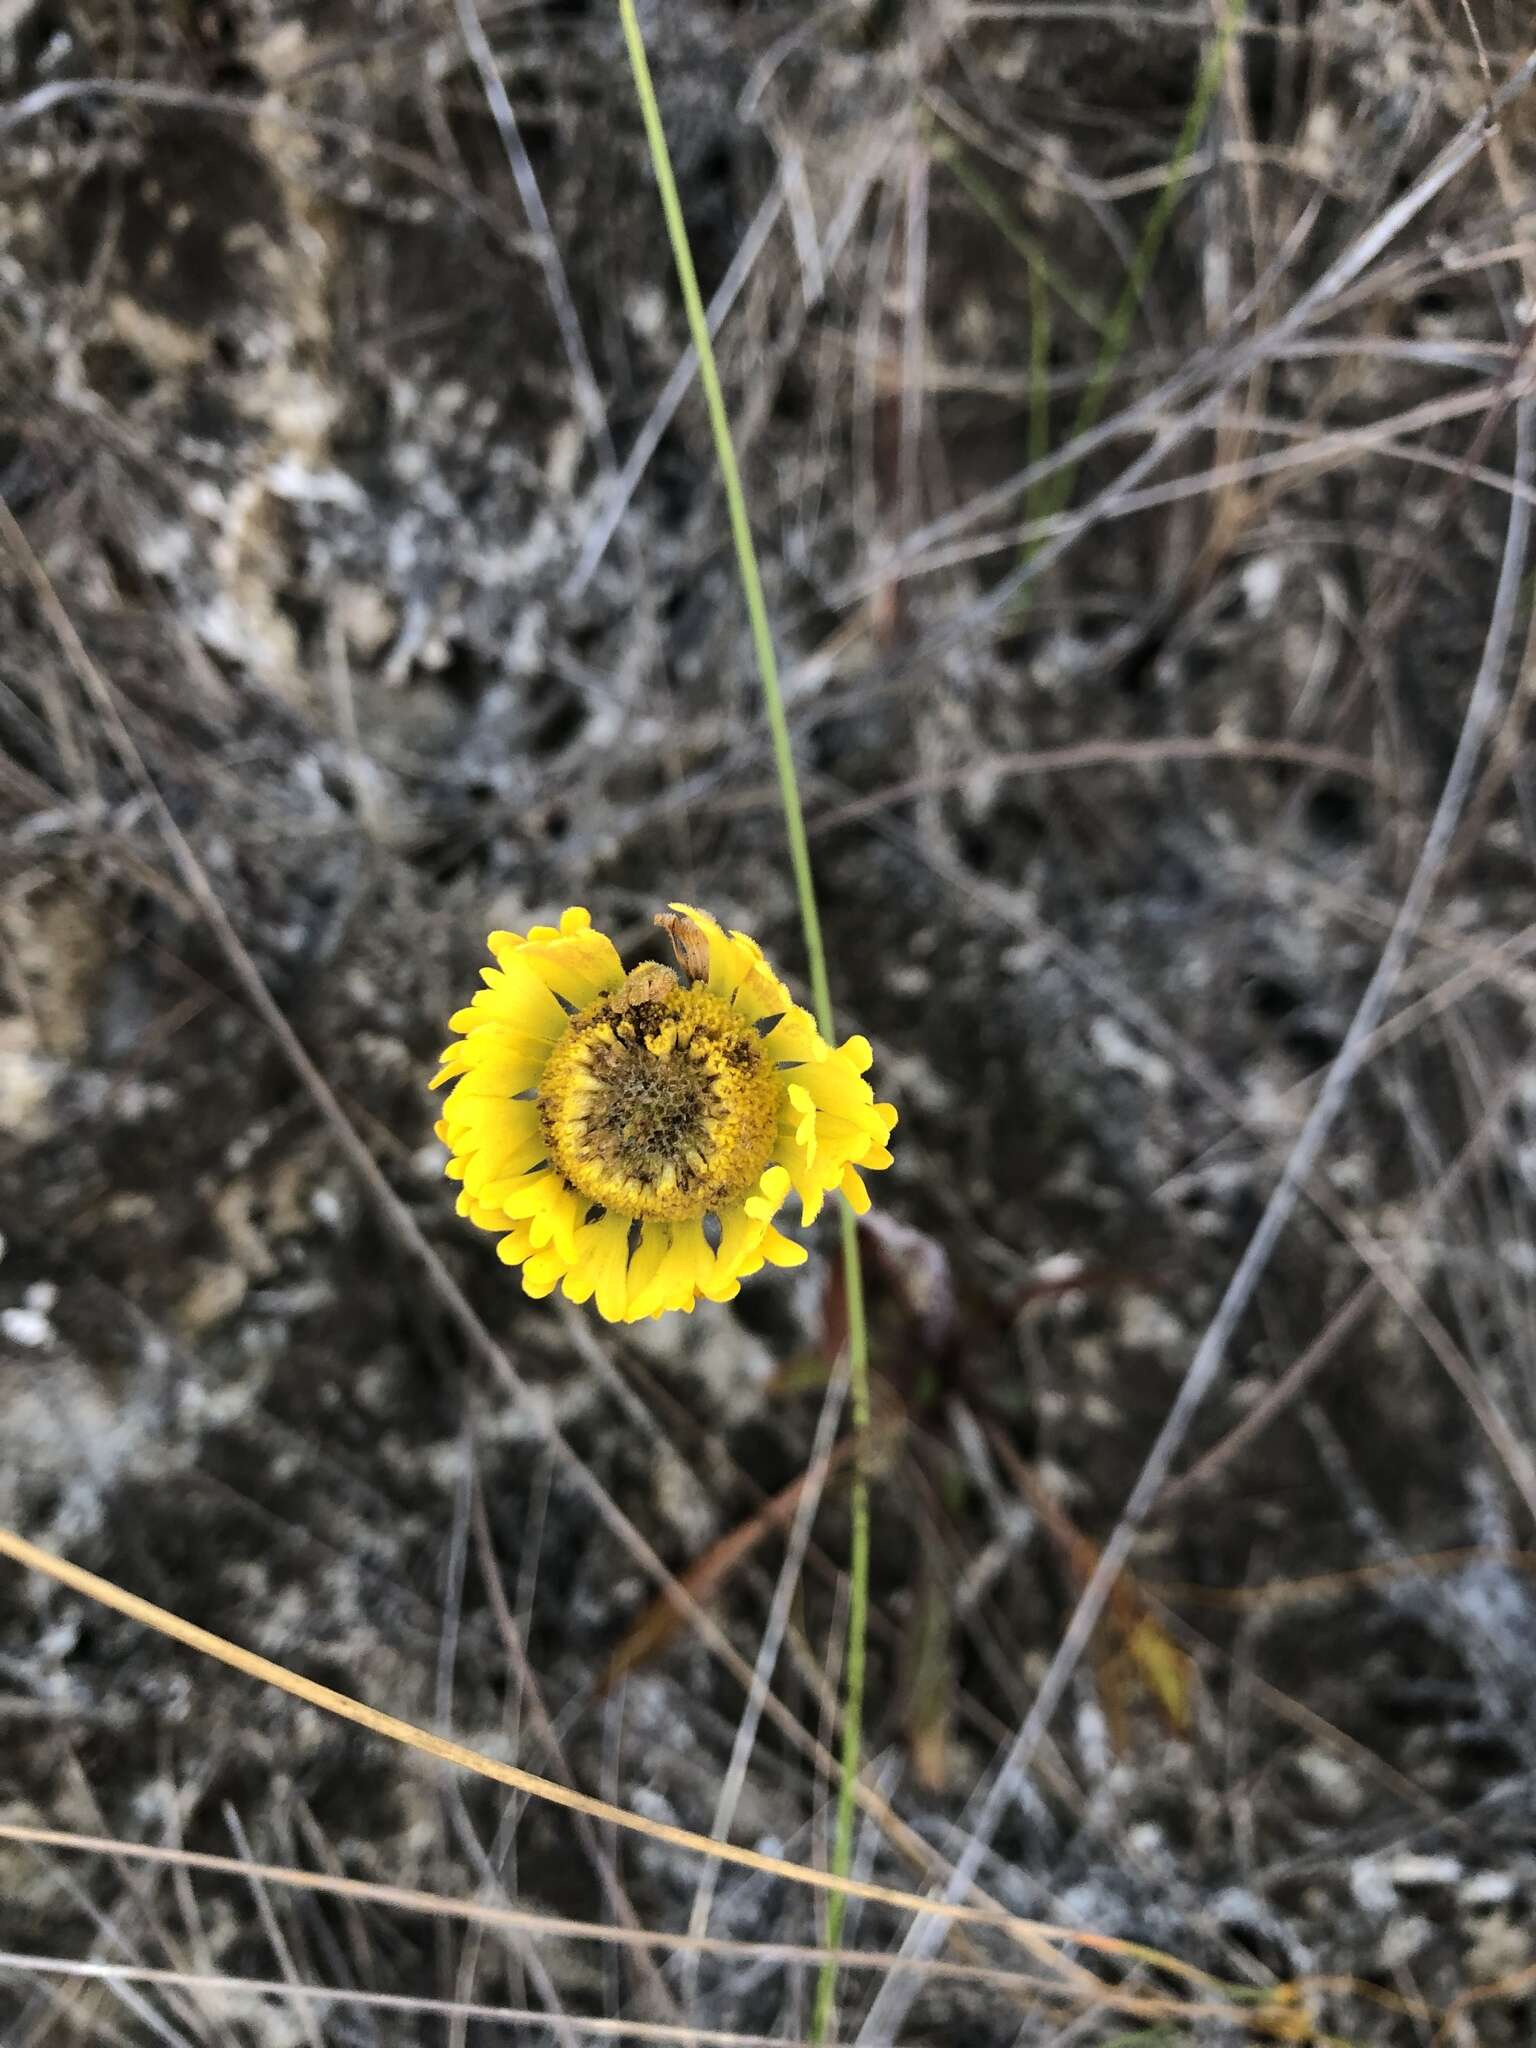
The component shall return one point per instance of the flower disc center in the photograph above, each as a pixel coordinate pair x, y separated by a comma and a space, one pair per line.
659, 1101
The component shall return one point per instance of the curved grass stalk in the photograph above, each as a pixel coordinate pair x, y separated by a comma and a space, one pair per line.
1200, 1994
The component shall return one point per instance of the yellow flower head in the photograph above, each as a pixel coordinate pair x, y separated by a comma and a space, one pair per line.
634, 1136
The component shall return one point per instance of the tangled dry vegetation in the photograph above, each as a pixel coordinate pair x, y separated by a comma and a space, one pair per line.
1143, 499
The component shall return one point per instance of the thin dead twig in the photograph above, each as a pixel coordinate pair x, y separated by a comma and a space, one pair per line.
1097, 754
546, 248
396, 1215
602, 1863
895, 1998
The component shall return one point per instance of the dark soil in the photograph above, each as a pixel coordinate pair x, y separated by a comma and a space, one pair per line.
290, 422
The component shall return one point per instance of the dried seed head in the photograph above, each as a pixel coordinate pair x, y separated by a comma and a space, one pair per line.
659, 1102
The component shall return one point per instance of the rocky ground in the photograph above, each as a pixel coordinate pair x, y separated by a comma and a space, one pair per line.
353, 486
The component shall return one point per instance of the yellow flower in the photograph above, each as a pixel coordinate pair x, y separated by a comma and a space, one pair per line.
634, 1136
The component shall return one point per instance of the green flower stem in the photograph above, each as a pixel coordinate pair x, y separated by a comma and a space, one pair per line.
821, 996
1117, 329
741, 531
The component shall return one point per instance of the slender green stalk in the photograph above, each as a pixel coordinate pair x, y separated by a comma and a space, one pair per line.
1042, 281
821, 996
1039, 378
950, 151
1118, 330
1055, 494
736, 505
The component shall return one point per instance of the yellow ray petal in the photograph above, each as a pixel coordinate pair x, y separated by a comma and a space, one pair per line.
672, 1275
517, 998
580, 966
818, 1109
602, 1266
